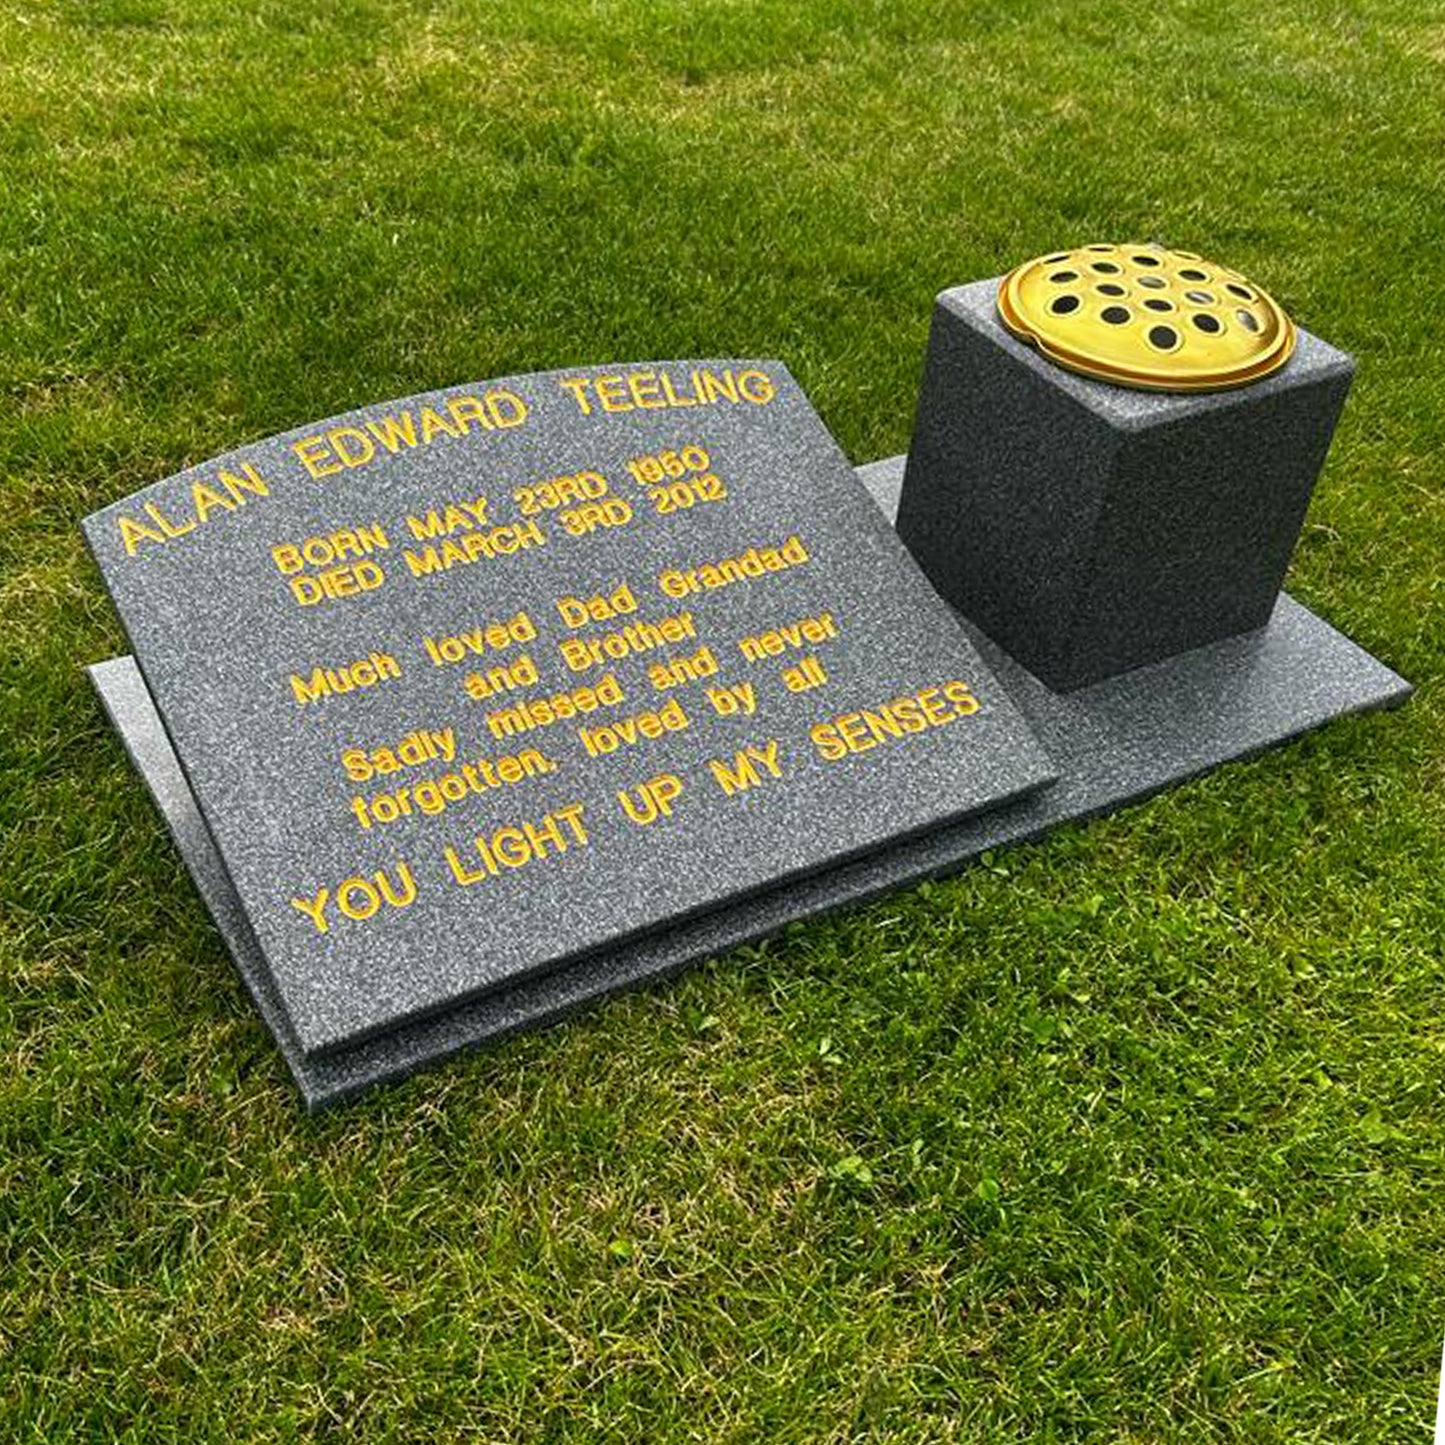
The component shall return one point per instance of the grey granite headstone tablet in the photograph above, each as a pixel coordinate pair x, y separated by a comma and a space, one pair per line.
475, 684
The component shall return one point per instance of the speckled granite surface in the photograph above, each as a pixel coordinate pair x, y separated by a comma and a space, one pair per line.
1089, 529
406, 844
1114, 742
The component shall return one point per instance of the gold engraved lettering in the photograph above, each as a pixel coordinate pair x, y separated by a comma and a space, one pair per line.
612, 393
394, 432
347, 447
652, 390
316, 457
807, 632
756, 562
432, 422
676, 671
603, 607
671, 397
645, 390
423, 745
733, 697
805, 676
501, 541
454, 517
353, 448
203, 498
464, 410
646, 803
229, 494
249, 481
325, 682
336, 582
517, 845
578, 386
434, 794
743, 772
492, 636
893, 721
505, 677
603, 738
322, 551
359, 898
581, 653
529, 713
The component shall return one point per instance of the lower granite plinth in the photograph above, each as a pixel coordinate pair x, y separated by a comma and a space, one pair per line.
1114, 743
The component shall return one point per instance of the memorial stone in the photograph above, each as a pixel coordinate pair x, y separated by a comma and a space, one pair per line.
471, 685
469, 709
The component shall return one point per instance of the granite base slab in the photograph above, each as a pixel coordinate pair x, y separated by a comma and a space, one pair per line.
1114, 743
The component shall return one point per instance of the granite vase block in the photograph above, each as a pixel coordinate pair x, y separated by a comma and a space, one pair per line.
1089, 529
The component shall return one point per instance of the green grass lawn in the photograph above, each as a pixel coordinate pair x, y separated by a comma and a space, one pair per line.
1135, 1134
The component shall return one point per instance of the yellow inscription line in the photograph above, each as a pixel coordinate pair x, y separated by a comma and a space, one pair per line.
193, 509
345, 448
893, 721
807, 632
654, 390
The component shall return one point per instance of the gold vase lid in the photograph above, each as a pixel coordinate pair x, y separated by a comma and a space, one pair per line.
1147, 317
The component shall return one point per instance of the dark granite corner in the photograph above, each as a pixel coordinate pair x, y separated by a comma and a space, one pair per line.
1089, 529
